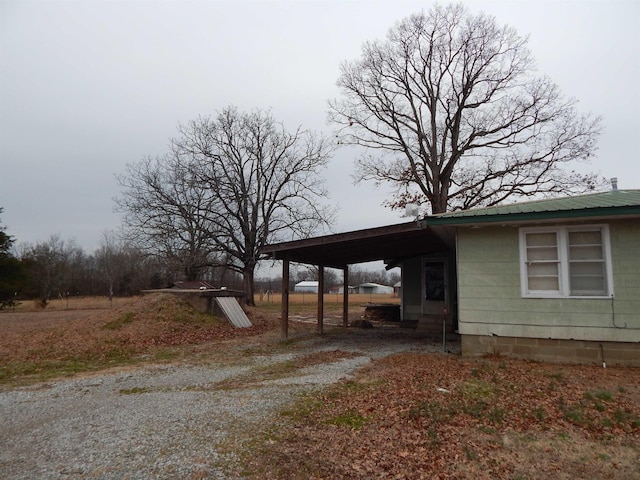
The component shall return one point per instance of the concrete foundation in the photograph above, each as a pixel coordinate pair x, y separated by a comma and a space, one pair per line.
554, 350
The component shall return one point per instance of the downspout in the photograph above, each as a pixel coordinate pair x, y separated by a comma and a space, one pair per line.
321, 299
284, 318
345, 297
613, 315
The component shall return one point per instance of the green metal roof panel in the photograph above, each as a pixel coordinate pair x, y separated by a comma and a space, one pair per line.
611, 203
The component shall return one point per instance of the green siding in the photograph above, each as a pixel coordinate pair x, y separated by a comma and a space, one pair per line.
487, 266
490, 299
625, 246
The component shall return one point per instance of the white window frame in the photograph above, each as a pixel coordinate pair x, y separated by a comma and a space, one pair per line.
562, 235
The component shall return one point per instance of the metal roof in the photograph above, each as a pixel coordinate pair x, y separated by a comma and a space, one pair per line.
392, 242
615, 203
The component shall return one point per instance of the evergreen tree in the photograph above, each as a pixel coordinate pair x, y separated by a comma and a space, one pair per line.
11, 271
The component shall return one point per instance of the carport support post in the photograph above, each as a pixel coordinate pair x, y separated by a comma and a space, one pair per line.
345, 298
284, 319
320, 299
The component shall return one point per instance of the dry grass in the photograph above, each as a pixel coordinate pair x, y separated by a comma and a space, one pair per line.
267, 302
81, 334
38, 344
306, 305
71, 303
355, 299
91, 333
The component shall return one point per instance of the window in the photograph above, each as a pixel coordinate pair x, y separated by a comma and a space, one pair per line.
542, 261
565, 262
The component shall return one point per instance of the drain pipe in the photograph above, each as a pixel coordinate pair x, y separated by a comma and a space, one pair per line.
444, 330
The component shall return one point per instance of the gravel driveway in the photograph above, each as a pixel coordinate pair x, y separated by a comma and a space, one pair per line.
172, 421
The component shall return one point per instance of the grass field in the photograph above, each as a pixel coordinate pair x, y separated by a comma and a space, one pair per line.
89, 333
331, 302
70, 303
312, 298
307, 304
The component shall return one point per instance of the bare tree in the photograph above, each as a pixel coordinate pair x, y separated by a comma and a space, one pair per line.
262, 183
303, 273
117, 263
230, 185
51, 266
452, 104
166, 211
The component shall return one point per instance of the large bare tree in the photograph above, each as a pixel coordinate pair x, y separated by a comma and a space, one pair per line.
454, 115
239, 180
263, 182
165, 212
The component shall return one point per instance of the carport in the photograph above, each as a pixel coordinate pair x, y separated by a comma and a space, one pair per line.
390, 243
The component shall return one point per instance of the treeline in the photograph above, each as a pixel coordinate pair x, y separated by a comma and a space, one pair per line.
58, 268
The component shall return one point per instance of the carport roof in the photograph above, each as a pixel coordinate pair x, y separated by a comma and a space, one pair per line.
389, 243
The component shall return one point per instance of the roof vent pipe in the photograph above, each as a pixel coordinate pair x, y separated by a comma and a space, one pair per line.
614, 183
412, 210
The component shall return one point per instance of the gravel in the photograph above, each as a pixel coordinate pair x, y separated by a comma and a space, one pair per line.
170, 421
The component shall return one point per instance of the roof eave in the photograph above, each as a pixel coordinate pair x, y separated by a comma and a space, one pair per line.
343, 249
593, 213
345, 236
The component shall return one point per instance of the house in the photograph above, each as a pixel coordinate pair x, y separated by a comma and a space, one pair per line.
370, 288
306, 287
555, 280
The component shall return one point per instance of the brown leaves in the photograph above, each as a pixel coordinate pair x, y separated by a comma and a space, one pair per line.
437, 416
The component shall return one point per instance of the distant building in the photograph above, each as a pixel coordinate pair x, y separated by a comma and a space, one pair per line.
373, 288
340, 289
306, 287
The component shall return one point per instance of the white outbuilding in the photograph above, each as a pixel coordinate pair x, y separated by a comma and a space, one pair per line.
374, 288
306, 287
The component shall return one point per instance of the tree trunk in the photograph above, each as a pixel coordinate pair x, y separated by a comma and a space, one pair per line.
439, 204
192, 273
248, 284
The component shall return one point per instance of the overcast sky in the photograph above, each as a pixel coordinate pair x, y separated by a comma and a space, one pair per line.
89, 86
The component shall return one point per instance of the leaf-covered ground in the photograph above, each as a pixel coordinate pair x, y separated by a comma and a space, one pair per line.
414, 416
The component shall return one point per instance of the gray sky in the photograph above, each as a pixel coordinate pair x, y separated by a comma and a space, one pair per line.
87, 87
